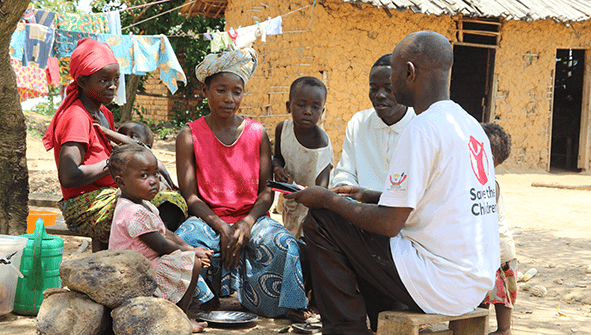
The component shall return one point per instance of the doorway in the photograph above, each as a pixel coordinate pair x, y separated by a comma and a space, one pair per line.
566, 109
471, 80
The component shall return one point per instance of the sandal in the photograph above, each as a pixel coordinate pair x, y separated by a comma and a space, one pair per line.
307, 328
301, 315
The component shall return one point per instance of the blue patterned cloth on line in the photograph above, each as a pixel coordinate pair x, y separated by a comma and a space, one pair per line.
268, 278
17, 42
37, 47
65, 42
122, 48
153, 52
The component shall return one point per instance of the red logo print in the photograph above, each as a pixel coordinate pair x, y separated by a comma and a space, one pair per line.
398, 179
479, 160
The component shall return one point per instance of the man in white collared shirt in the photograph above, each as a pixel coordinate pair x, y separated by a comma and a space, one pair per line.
372, 134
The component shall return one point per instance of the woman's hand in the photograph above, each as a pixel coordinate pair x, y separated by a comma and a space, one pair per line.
227, 243
241, 238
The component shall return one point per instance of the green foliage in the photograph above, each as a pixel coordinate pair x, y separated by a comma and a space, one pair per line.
46, 108
62, 6
49, 106
182, 115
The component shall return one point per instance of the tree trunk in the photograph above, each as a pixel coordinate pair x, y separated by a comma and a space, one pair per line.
130, 90
14, 179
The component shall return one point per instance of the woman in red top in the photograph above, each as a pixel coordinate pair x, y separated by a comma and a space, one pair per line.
81, 150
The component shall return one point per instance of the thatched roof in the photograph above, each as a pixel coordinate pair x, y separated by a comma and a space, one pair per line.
210, 8
528, 10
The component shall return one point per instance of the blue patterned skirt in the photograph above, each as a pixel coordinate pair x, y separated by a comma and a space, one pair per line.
268, 278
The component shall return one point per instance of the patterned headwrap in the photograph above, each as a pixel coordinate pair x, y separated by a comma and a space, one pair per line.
241, 62
89, 57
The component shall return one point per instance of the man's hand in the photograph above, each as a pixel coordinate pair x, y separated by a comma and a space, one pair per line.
311, 197
358, 193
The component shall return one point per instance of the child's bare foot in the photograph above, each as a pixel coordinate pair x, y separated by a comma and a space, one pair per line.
198, 327
501, 332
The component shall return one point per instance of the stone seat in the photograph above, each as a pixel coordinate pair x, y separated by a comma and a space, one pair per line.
408, 323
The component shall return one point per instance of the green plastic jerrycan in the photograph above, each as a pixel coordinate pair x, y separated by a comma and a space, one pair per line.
40, 265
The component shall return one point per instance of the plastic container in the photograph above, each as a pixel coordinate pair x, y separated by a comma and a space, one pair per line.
11, 251
40, 265
47, 216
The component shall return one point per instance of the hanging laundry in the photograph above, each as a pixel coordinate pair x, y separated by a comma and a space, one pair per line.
220, 41
207, 35
114, 22
153, 52
65, 43
38, 42
114, 19
28, 16
31, 82
233, 33
44, 17
122, 47
247, 36
89, 23
274, 26
53, 72
17, 42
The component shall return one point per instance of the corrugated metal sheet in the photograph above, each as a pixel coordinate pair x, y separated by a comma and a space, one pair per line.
528, 10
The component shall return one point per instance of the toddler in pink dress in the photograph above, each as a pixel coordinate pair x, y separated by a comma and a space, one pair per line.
137, 226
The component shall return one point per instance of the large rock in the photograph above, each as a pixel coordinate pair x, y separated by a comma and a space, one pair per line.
150, 316
110, 277
68, 312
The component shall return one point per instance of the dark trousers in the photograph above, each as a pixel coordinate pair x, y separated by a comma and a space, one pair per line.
353, 274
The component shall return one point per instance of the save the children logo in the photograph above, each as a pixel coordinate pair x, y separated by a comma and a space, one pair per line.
479, 160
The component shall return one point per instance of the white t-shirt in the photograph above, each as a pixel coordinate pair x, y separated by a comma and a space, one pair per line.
447, 253
367, 150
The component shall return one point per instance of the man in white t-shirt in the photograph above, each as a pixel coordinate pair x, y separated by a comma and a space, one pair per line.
372, 134
430, 240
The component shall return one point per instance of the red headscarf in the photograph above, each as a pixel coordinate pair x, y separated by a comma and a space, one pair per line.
89, 57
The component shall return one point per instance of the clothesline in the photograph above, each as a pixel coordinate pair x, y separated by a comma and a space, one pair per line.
144, 5
153, 17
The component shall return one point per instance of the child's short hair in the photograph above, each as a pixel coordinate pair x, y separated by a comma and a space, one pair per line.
500, 141
383, 61
307, 81
143, 130
121, 156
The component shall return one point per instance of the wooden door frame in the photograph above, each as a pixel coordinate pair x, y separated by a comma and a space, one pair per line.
584, 140
585, 130
488, 115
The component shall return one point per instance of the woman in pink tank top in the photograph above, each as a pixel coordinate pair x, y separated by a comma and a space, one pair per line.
223, 161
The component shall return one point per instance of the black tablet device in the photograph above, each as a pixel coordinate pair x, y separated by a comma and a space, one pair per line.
282, 187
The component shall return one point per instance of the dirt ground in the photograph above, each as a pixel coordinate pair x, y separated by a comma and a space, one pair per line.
552, 227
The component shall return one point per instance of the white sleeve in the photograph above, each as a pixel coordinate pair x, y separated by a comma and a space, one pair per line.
345, 172
410, 170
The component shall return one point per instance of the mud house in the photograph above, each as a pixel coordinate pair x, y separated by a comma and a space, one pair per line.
523, 64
